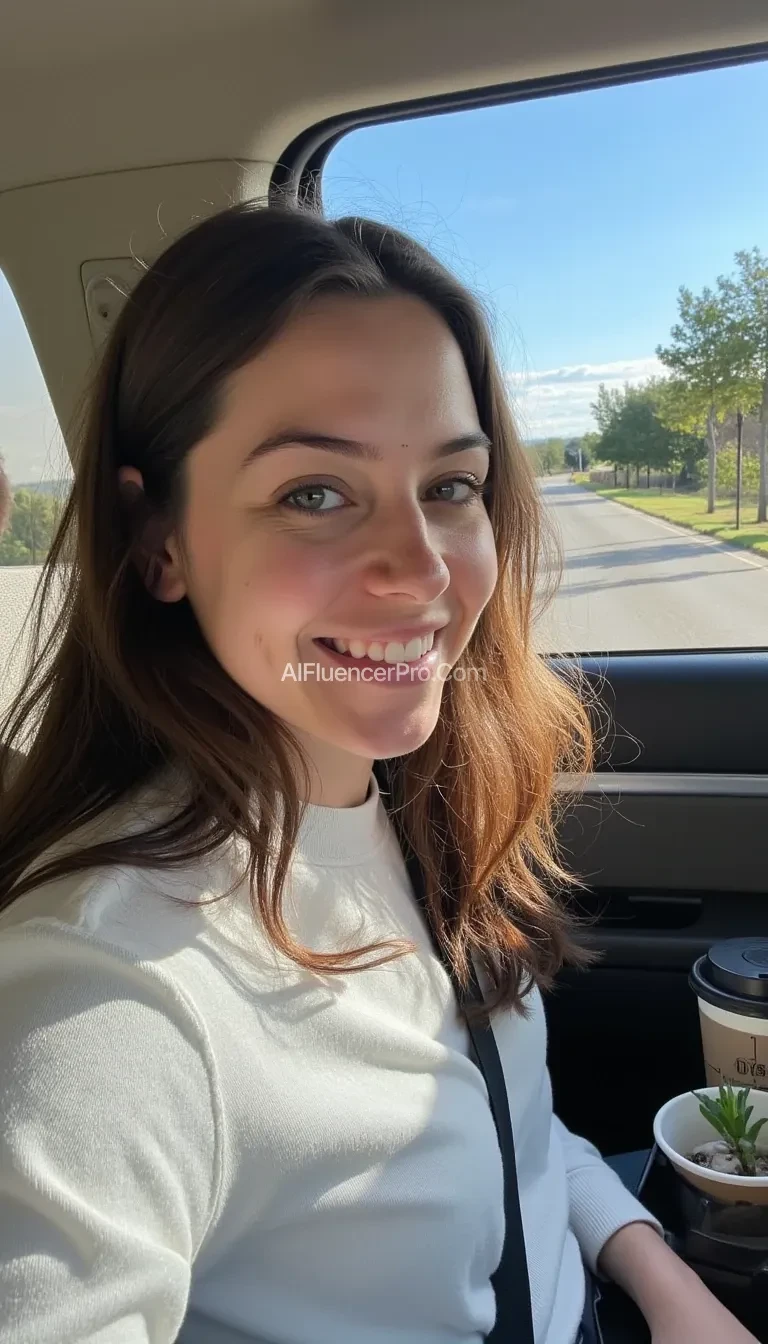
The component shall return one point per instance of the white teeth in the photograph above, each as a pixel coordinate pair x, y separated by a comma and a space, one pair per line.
392, 652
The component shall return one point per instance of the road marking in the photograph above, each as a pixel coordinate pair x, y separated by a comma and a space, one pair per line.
692, 536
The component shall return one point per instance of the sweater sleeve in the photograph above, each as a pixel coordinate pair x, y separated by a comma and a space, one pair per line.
109, 1142
599, 1201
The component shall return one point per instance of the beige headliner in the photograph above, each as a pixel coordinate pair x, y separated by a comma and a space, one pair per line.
114, 116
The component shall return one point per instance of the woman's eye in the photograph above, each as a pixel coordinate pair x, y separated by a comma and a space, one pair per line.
313, 499
458, 490
319, 498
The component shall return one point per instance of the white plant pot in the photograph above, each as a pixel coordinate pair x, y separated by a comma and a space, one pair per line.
680, 1127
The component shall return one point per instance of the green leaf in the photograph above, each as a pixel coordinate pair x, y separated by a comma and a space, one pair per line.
742, 1099
717, 1123
729, 1114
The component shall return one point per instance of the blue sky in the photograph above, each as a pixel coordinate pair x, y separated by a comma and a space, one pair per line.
575, 217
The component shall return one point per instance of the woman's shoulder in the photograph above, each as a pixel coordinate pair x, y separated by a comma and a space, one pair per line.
145, 913
107, 1068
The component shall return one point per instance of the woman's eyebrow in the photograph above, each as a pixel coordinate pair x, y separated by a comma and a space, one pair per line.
353, 447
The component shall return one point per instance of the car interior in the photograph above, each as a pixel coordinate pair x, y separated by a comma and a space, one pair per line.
122, 124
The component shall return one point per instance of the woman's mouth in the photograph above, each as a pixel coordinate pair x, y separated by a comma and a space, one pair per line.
393, 662
376, 651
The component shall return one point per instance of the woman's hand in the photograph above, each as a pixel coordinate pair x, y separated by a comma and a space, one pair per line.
676, 1304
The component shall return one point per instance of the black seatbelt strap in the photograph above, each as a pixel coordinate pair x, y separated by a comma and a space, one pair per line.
514, 1322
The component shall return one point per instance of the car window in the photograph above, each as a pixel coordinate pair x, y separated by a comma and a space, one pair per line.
620, 236
36, 462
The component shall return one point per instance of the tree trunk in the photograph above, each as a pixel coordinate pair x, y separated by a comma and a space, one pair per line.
762, 499
712, 445
615, 476
647, 478
637, 477
627, 480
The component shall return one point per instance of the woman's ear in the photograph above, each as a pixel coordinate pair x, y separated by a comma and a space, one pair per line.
155, 549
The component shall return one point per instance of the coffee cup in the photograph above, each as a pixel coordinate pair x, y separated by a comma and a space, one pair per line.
731, 984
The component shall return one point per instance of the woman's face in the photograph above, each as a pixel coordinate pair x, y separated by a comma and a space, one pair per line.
331, 514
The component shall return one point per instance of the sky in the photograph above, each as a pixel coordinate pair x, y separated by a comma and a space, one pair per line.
576, 218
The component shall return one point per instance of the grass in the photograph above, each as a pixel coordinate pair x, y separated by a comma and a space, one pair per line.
691, 511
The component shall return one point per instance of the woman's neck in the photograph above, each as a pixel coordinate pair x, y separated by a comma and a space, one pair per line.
337, 777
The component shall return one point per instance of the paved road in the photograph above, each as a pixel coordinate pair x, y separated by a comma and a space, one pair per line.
17, 586
633, 582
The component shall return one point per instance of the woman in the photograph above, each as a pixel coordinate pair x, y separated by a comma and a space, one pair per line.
302, 539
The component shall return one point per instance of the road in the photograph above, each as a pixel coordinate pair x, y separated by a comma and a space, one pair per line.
630, 582
17, 587
633, 582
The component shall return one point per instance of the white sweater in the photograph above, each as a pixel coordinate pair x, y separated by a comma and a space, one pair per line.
200, 1141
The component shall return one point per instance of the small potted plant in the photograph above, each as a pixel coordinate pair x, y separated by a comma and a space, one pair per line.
713, 1142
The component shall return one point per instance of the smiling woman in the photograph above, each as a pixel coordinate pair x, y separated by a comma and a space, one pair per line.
199, 574
367, 528
298, 452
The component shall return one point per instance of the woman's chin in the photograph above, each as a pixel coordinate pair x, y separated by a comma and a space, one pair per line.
391, 734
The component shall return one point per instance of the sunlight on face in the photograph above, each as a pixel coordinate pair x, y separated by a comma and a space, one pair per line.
336, 499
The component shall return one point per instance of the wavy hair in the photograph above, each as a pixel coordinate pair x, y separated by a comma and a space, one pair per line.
120, 686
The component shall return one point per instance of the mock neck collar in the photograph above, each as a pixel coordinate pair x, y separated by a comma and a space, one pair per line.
343, 835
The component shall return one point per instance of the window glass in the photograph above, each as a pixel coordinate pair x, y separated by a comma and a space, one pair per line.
620, 236
36, 462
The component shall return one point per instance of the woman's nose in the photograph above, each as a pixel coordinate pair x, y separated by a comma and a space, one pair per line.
404, 557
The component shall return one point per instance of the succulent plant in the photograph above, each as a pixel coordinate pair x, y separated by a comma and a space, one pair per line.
728, 1113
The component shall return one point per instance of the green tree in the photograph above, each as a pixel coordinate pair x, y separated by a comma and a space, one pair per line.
710, 360
745, 297
609, 402
633, 435
650, 440
727, 471
612, 444
13, 552
34, 517
590, 443
550, 456
6, 497
577, 454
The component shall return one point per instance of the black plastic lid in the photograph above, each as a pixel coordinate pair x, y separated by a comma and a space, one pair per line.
734, 975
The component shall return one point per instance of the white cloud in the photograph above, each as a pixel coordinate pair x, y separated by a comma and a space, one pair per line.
557, 401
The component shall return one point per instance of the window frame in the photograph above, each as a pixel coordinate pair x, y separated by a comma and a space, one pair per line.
298, 173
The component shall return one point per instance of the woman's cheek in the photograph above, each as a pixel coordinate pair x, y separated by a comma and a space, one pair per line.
280, 602
474, 568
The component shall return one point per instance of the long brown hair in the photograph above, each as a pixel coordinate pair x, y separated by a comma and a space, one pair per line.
120, 686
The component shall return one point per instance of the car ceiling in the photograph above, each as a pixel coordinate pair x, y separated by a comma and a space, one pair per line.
119, 124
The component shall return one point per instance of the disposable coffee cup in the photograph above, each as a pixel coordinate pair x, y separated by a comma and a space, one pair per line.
731, 984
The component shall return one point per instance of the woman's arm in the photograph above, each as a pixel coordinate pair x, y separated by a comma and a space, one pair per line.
108, 1146
676, 1304
620, 1240
599, 1202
